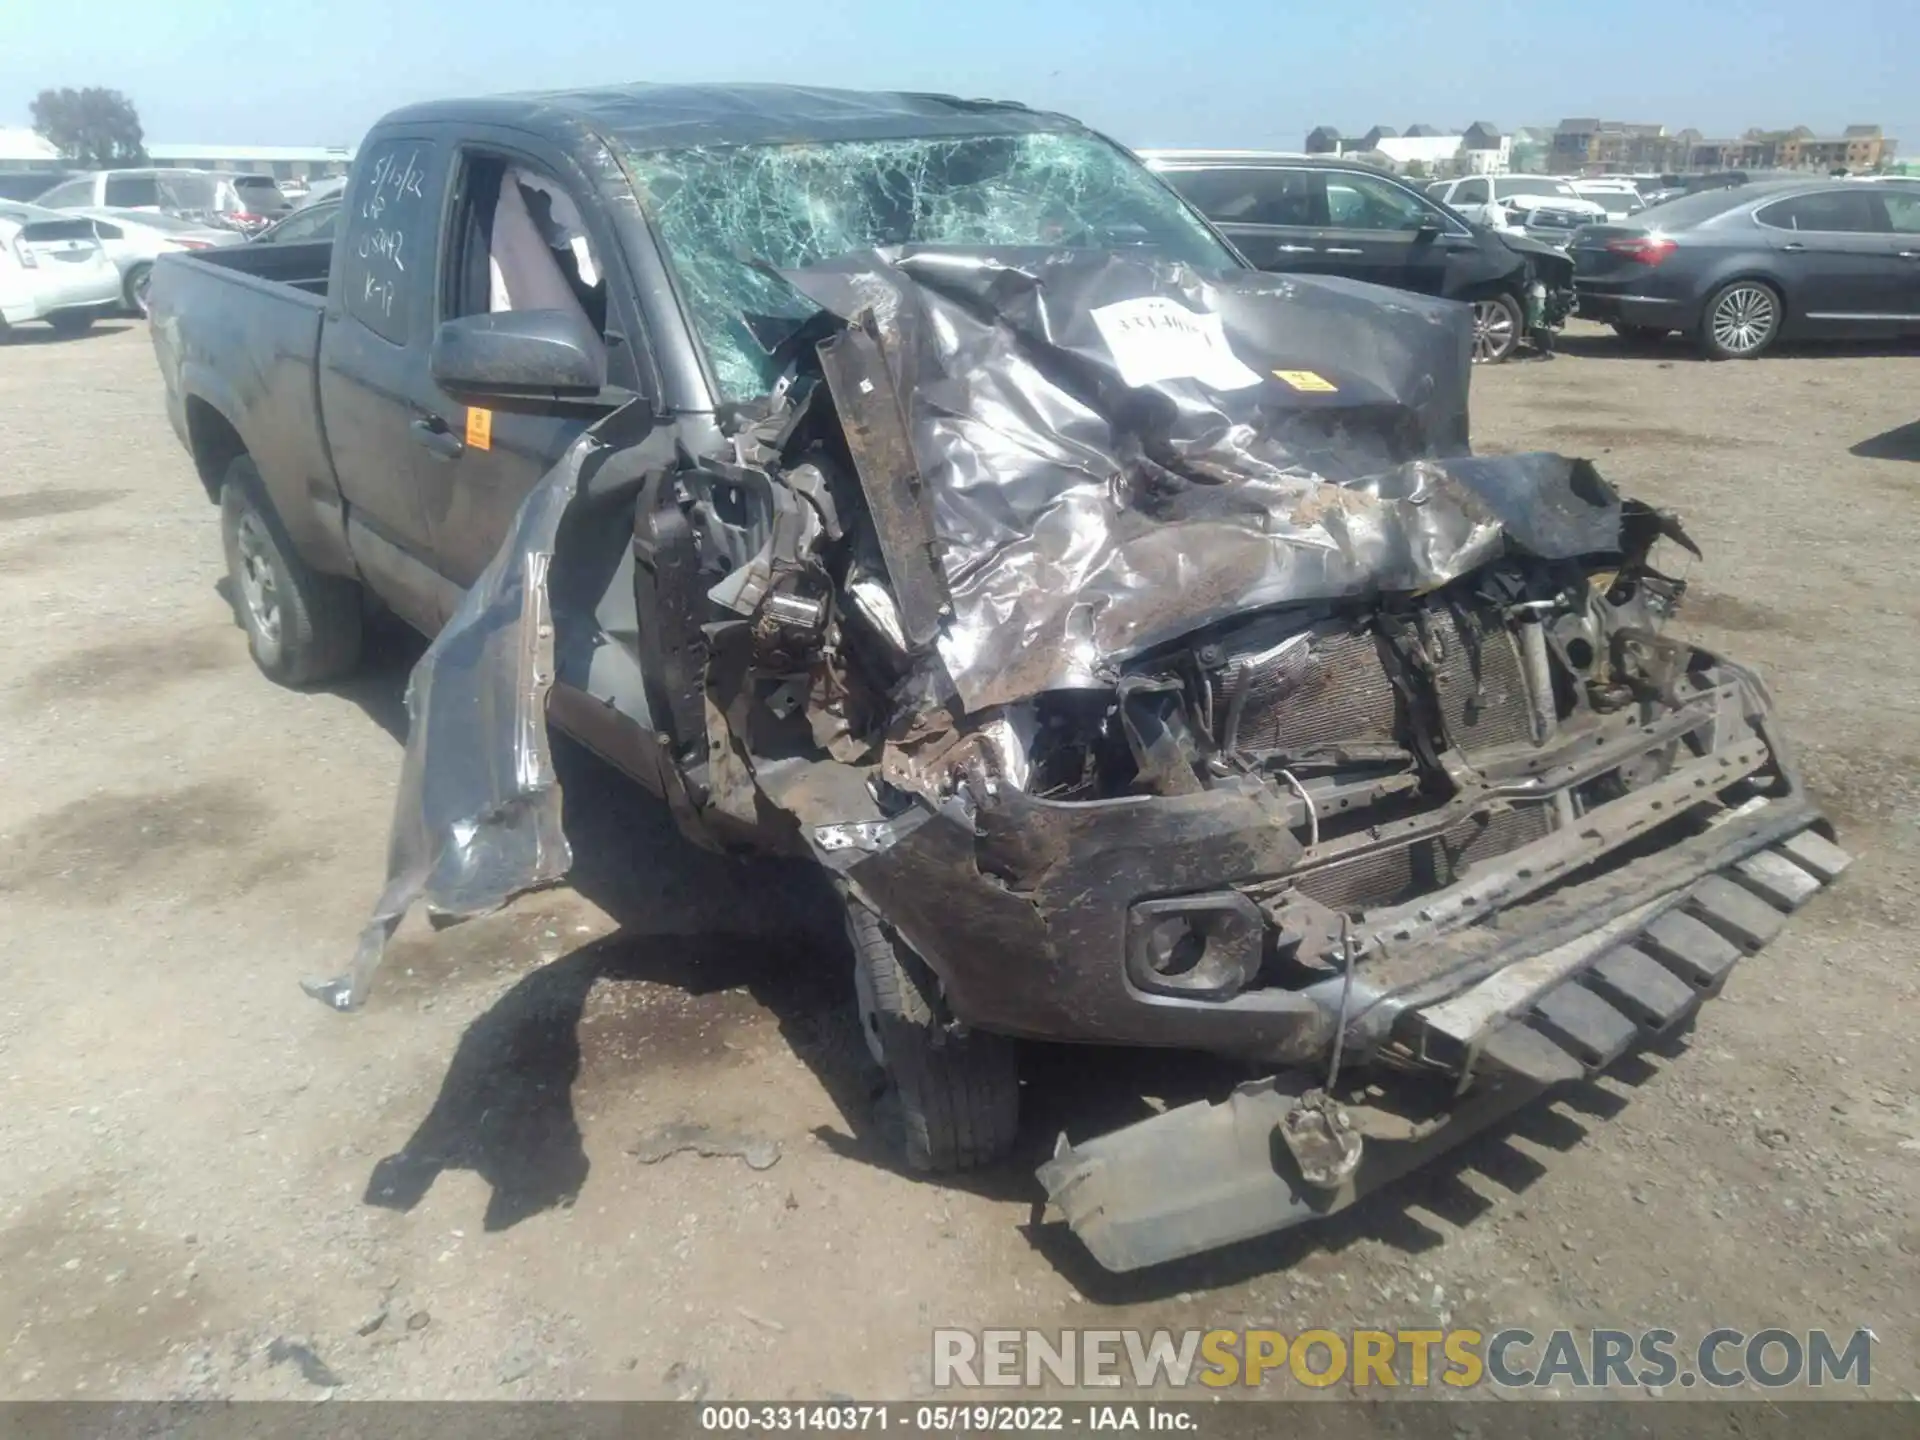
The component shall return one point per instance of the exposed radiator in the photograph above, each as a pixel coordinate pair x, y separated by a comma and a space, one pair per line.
1300, 691
1297, 691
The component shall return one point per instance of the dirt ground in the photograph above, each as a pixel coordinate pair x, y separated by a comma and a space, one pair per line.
215, 1187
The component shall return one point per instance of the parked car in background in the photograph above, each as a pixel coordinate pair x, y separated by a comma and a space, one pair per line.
134, 239
310, 222
1542, 206
52, 268
1740, 268
1619, 197
1318, 216
330, 188
191, 194
30, 184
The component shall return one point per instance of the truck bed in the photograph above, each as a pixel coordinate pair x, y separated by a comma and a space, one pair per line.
237, 334
302, 265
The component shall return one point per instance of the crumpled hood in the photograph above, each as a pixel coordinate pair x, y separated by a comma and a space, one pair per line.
1118, 451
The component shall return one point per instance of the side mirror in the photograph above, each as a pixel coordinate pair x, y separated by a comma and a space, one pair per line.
519, 354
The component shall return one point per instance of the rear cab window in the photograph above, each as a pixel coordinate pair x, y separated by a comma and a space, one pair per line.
391, 232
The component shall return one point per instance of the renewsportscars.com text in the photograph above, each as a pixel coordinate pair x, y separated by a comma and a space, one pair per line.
1459, 1359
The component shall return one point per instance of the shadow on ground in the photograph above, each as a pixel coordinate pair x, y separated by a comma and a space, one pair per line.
1900, 443
46, 335
1681, 347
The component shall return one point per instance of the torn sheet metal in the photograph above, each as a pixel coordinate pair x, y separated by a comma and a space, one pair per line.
477, 817
1117, 450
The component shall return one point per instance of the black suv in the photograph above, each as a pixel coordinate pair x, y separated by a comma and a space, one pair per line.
1316, 215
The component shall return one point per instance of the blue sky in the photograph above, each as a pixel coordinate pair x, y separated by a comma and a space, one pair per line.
1151, 72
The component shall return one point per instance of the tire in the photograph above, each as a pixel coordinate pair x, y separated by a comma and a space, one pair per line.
302, 627
959, 1094
71, 322
1498, 327
1740, 320
138, 279
1645, 334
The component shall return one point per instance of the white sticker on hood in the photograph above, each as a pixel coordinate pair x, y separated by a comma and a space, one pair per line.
1155, 339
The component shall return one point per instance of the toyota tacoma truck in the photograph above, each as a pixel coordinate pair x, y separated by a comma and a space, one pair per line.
919, 485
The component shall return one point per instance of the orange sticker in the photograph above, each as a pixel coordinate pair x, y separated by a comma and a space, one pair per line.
480, 428
1307, 380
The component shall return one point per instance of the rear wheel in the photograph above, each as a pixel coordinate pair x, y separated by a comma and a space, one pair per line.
1498, 324
71, 322
302, 627
138, 280
1740, 321
959, 1093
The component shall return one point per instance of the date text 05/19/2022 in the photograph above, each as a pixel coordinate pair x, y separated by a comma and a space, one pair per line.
944, 1419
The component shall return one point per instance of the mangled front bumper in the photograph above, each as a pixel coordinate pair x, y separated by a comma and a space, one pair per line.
1532, 1011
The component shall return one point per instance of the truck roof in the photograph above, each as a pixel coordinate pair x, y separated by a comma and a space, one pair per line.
645, 116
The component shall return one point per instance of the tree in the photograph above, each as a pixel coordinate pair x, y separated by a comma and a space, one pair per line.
1416, 170
93, 127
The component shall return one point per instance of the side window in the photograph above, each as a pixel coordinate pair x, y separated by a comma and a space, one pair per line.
103, 231
390, 230
517, 240
1470, 192
1845, 211
1251, 196
129, 192
1366, 202
73, 192
1903, 212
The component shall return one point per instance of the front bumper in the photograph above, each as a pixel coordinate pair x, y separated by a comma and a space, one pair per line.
1208, 1175
1030, 911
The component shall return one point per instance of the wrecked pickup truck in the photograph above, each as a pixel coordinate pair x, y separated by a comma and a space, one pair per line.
1133, 638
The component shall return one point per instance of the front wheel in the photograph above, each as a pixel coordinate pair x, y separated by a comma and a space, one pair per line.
1498, 324
959, 1093
1740, 321
302, 627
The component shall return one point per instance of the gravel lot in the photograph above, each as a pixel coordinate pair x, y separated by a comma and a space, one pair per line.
214, 1187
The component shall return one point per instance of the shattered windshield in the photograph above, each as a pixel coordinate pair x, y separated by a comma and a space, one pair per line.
719, 209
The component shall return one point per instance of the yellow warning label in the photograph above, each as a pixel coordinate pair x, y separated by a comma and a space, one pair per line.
480, 428
1307, 380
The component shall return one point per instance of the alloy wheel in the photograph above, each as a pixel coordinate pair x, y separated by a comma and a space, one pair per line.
1743, 319
1495, 333
259, 590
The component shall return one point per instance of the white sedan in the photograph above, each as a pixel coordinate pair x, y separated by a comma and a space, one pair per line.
134, 239
53, 269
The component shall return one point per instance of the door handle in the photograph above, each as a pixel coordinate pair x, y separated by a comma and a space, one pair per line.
1793, 245
431, 433
1344, 250
1294, 249
1910, 254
